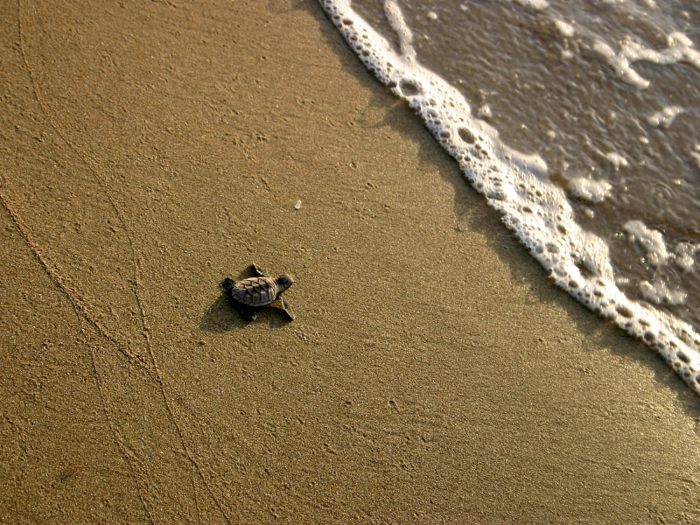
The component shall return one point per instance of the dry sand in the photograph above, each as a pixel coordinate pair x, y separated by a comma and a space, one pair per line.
432, 375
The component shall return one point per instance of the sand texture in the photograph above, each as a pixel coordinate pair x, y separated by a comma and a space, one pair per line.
432, 373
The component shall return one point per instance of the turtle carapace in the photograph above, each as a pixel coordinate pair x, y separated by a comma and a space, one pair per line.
260, 290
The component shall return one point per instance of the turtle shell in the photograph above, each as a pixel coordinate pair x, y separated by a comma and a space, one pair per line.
255, 291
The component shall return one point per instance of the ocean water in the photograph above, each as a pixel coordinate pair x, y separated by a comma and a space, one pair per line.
577, 121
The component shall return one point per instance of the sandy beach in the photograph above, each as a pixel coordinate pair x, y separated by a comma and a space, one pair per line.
432, 373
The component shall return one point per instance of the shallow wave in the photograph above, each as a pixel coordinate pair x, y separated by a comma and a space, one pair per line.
517, 185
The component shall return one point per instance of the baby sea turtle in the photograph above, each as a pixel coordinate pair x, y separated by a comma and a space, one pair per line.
258, 291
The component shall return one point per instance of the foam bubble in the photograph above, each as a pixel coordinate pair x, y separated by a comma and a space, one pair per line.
516, 185
484, 112
621, 64
651, 241
679, 49
538, 5
659, 293
695, 157
685, 256
663, 119
398, 24
564, 29
617, 160
589, 190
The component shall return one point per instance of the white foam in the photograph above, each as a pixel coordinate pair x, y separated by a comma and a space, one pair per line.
685, 256
695, 157
589, 190
617, 160
679, 49
398, 24
538, 5
663, 119
659, 293
484, 112
621, 64
565, 29
514, 184
651, 241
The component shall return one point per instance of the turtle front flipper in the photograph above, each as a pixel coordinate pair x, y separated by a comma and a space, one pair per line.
259, 272
286, 308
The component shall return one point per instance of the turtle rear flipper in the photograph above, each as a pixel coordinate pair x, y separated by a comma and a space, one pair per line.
287, 310
247, 311
228, 284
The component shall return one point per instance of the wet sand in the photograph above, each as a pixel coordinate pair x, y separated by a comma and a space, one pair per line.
432, 374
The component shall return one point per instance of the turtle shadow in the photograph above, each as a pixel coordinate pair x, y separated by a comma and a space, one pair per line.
221, 317
224, 314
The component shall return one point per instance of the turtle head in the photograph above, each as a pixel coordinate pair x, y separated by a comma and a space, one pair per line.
284, 282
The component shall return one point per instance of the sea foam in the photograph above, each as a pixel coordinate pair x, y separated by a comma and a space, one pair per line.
663, 119
589, 190
516, 184
679, 49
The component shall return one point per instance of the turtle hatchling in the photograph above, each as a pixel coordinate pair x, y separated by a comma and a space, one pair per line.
257, 291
